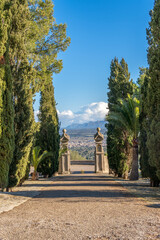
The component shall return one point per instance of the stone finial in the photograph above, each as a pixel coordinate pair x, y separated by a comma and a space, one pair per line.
98, 137
64, 131
98, 129
65, 138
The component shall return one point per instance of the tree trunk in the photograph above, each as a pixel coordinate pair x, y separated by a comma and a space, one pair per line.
125, 176
129, 151
35, 176
134, 171
154, 183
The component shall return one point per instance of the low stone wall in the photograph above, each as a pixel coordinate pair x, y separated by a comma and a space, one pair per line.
79, 167
87, 162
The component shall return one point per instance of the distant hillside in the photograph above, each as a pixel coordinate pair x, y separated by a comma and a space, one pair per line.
88, 125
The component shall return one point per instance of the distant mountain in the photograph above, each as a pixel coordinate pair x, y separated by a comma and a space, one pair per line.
88, 125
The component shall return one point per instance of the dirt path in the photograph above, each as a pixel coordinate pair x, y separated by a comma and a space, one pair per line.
82, 207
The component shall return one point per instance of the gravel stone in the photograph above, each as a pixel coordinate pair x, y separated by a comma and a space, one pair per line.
82, 207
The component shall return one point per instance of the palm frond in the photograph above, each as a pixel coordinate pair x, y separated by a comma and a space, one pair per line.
126, 115
44, 155
36, 159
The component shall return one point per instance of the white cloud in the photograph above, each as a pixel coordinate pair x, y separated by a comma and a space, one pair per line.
91, 112
68, 114
36, 115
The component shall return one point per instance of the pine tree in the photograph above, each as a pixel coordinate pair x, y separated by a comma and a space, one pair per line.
50, 39
153, 132
22, 71
6, 98
47, 49
118, 145
48, 137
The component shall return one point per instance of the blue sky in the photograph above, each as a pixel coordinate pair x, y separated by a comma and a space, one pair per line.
99, 31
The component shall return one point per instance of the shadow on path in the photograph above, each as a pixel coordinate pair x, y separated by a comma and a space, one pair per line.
80, 172
77, 187
153, 205
83, 193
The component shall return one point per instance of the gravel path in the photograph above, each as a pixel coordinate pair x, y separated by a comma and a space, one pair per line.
82, 207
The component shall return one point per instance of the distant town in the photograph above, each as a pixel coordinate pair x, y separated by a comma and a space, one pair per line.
80, 141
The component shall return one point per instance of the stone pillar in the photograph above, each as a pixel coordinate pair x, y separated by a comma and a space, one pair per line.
64, 160
101, 161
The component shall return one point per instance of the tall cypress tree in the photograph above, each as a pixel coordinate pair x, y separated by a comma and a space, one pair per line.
22, 72
118, 148
48, 137
153, 132
112, 143
146, 169
6, 98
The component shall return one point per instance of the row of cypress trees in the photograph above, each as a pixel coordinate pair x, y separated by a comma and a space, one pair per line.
147, 91
30, 40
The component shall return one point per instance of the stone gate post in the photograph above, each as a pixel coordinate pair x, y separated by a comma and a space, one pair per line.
64, 160
101, 161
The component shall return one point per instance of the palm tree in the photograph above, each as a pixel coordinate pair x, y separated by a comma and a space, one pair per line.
126, 116
37, 158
